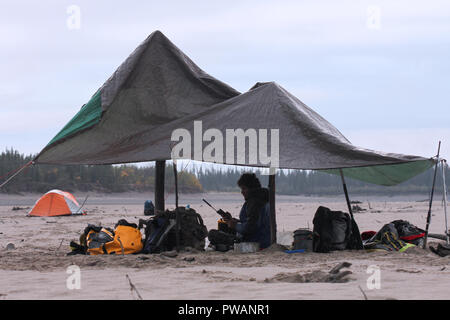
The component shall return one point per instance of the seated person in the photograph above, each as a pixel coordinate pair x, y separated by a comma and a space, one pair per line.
254, 219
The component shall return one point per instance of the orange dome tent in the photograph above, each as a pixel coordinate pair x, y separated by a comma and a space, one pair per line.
56, 203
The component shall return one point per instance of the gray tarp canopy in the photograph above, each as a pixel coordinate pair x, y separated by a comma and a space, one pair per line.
158, 89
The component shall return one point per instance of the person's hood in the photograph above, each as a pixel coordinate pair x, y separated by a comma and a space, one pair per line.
259, 193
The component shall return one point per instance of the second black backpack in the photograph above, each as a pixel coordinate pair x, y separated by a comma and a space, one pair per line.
332, 230
160, 231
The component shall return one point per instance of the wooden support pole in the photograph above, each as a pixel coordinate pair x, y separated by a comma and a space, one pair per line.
273, 220
160, 169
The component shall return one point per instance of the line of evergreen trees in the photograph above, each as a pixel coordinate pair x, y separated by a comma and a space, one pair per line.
121, 178
101, 178
303, 182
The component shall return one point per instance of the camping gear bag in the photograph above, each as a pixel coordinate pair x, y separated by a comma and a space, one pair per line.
303, 239
156, 230
160, 231
127, 240
124, 239
94, 239
387, 239
409, 232
332, 230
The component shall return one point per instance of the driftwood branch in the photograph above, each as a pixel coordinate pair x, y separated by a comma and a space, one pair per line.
133, 288
341, 265
437, 236
364, 294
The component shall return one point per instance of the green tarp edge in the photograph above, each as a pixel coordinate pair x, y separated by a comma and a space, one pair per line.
88, 116
386, 175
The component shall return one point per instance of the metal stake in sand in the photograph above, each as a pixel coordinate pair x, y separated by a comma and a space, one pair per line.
431, 198
443, 163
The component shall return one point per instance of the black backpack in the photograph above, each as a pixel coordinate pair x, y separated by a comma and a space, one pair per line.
332, 231
160, 231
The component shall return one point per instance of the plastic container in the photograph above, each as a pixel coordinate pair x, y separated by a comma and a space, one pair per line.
303, 240
295, 251
246, 247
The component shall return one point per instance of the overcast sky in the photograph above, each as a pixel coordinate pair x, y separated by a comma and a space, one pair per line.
377, 70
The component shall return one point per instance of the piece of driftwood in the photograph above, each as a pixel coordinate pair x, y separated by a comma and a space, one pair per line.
437, 236
337, 268
364, 294
335, 275
133, 288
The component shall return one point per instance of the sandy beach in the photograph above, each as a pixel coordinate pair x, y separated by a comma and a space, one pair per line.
35, 265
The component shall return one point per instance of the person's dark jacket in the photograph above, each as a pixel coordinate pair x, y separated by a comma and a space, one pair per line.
255, 218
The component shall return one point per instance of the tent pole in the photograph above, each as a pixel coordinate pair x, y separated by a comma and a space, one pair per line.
175, 174
273, 219
431, 198
443, 163
177, 214
346, 194
355, 229
160, 168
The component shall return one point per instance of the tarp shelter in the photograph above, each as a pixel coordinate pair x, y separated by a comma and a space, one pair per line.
56, 203
158, 89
